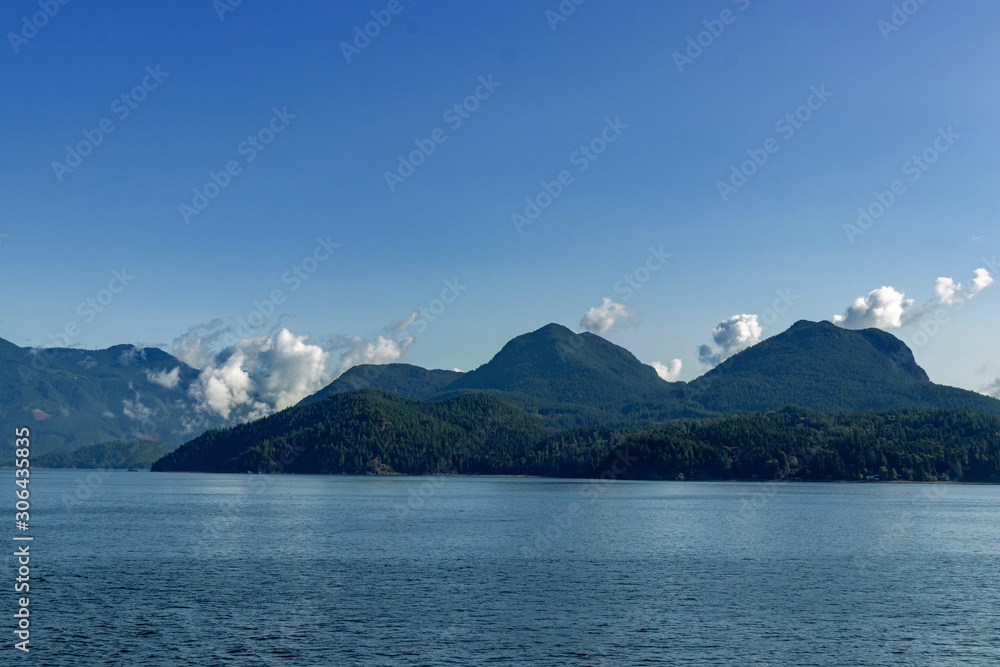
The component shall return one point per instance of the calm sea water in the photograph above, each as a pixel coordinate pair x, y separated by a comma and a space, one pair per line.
173, 569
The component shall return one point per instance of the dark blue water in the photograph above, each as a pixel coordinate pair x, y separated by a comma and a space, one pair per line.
172, 569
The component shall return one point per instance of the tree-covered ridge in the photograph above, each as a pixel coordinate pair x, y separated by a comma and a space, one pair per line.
71, 398
369, 431
912, 445
570, 380
139, 454
403, 380
825, 367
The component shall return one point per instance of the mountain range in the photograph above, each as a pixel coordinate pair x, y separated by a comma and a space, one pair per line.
72, 398
552, 378
570, 380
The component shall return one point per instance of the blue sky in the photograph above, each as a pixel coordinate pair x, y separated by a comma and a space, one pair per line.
554, 87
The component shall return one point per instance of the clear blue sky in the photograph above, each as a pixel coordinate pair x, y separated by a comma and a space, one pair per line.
323, 175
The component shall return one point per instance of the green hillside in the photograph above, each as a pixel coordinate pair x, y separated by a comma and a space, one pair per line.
71, 398
822, 366
117, 454
369, 431
403, 380
912, 445
571, 380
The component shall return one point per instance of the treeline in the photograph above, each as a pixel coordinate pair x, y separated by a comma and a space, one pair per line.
372, 432
924, 445
116, 454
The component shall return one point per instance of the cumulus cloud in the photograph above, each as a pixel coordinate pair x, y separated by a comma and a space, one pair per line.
731, 336
669, 371
599, 319
883, 308
196, 347
258, 376
165, 378
982, 279
382, 350
888, 308
948, 292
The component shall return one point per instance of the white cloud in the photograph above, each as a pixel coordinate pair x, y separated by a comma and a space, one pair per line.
669, 371
132, 355
599, 319
136, 411
947, 291
164, 378
731, 336
195, 347
883, 308
399, 327
258, 376
981, 281
382, 350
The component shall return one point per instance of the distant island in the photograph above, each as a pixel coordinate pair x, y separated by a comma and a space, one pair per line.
816, 402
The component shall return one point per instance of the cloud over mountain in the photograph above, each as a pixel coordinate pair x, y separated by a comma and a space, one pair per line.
731, 336
882, 308
600, 319
888, 308
381, 350
669, 371
258, 376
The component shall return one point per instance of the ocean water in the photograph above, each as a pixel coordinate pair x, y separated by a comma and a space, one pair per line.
191, 569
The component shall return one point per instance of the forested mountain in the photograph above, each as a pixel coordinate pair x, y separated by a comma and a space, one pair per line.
71, 398
115, 455
822, 366
913, 445
369, 431
403, 380
570, 379
540, 383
